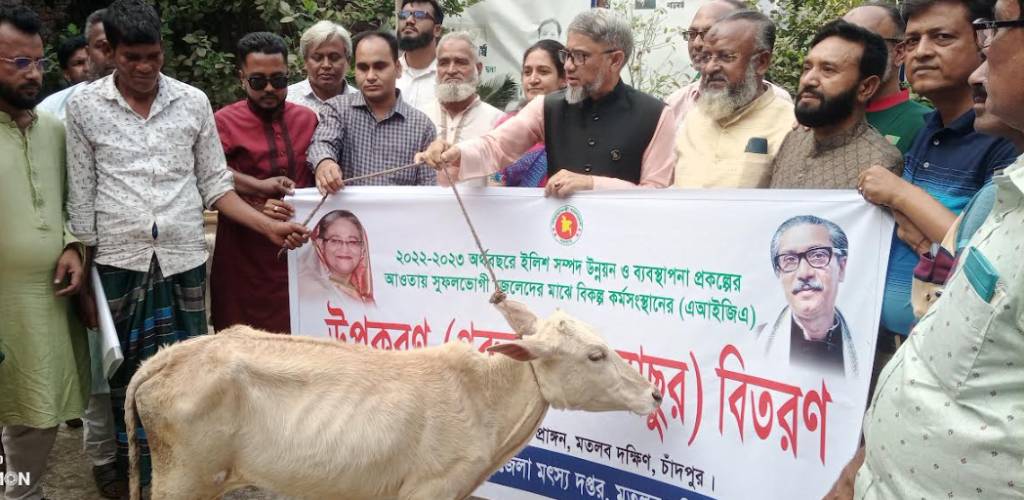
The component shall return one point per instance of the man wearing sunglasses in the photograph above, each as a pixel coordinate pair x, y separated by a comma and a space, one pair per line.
599, 132
809, 256
265, 139
419, 29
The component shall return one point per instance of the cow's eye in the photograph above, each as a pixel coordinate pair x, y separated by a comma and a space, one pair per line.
597, 356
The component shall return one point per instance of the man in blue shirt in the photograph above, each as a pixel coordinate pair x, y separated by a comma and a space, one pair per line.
948, 161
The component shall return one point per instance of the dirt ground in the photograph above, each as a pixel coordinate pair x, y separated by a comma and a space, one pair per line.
69, 476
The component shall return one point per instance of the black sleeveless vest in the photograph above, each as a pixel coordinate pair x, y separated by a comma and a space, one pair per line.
606, 138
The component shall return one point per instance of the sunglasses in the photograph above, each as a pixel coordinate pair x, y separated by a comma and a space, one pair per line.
259, 82
418, 14
24, 63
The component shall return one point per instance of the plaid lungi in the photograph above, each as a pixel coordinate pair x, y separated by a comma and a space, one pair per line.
149, 311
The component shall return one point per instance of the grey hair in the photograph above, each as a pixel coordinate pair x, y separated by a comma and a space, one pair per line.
606, 27
840, 244
465, 37
95, 18
323, 32
764, 38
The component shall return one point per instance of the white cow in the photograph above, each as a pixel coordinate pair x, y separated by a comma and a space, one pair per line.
324, 420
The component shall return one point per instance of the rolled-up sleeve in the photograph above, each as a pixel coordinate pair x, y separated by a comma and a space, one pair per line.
212, 175
327, 137
81, 166
659, 159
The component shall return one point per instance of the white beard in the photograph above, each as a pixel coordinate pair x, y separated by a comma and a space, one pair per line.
721, 104
575, 95
458, 91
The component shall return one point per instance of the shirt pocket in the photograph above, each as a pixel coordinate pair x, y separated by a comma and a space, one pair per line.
958, 326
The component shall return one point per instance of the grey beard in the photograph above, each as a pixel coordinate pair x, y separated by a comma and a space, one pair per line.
574, 95
455, 92
721, 104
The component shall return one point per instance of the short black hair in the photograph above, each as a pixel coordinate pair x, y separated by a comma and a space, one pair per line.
438, 11
366, 35
131, 22
873, 60
260, 42
892, 11
975, 8
736, 4
67, 49
23, 18
95, 18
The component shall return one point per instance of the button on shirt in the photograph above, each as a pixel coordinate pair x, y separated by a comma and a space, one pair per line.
947, 420
418, 86
951, 164
137, 186
350, 134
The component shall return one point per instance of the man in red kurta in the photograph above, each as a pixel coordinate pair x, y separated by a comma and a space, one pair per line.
265, 140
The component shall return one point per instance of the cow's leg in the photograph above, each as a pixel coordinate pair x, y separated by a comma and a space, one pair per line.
181, 483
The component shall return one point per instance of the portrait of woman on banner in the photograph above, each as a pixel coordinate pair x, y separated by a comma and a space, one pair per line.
338, 261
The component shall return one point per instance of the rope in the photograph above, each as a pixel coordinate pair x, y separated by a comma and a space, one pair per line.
498, 295
284, 250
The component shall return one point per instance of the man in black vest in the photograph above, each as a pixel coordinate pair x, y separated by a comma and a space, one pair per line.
599, 132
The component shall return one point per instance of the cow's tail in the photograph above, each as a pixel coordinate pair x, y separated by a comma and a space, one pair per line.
147, 370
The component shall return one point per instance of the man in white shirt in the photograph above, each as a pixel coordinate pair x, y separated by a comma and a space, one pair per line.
143, 160
419, 28
457, 111
326, 49
97, 65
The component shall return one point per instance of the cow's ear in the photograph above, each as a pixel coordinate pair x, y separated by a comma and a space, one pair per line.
522, 350
518, 316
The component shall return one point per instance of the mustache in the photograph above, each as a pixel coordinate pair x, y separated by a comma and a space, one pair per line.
807, 285
979, 92
815, 92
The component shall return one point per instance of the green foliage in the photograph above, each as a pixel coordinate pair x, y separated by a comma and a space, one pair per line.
498, 91
649, 35
797, 22
200, 35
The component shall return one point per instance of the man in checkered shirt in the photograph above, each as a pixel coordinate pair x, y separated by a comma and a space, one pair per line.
373, 130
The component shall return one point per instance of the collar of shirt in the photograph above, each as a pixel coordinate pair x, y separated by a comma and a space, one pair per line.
476, 102
889, 101
962, 125
416, 74
839, 140
166, 94
307, 90
401, 108
6, 119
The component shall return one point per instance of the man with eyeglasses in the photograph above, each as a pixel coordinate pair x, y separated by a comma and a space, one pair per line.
599, 132
809, 256
685, 99
44, 376
891, 111
419, 29
945, 421
948, 162
265, 140
730, 139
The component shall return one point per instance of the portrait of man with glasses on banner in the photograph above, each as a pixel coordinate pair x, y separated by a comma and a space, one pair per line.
809, 257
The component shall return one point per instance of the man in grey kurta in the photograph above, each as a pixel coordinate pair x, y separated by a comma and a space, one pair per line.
45, 373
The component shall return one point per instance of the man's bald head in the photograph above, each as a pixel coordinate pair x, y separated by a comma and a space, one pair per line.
707, 15
884, 20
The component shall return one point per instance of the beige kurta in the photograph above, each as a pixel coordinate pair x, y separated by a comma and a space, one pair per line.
44, 379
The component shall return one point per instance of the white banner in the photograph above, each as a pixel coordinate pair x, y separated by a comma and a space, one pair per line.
682, 283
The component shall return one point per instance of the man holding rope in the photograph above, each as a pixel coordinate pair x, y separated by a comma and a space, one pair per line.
362, 134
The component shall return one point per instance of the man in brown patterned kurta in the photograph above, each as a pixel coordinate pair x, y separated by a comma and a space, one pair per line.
841, 73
